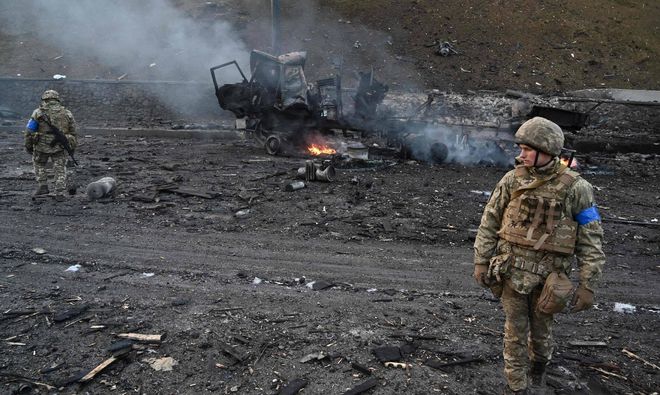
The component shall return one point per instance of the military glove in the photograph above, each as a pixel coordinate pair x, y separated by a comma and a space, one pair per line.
583, 299
29, 144
480, 273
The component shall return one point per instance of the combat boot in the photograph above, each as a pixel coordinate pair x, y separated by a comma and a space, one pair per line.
537, 378
41, 190
509, 391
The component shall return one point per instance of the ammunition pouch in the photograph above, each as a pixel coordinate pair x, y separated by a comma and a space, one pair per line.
557, 293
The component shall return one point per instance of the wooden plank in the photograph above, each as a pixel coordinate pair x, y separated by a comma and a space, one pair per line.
586, 343
141, 337
97, 369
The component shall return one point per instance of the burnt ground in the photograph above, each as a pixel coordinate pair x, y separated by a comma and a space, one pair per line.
249, 280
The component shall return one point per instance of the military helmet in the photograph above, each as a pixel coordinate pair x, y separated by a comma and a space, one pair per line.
50, 94
542, 135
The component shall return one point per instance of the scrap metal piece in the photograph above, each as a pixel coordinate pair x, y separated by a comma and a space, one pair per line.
104, 187
572, 120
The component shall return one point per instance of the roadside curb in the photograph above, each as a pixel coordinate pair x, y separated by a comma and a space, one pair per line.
205, 134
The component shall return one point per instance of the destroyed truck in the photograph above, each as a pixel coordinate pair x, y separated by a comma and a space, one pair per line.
277, 105
280, 109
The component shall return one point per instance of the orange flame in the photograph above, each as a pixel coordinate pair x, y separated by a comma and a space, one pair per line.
316, 150
574, 164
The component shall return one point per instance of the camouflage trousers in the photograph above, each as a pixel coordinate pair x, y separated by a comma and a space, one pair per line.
40, 160
527, 335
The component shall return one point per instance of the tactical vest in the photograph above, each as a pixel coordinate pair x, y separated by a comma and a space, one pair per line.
535, 217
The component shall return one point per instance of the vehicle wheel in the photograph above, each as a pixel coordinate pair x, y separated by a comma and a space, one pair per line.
273, 145
439, 152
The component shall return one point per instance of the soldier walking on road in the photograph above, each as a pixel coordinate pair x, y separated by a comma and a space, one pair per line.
540, 215
43, 143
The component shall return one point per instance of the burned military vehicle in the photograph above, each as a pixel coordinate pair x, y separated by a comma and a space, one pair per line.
281, 110
279, 106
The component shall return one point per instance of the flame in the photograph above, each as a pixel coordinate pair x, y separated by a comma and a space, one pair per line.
317, 149
574, 164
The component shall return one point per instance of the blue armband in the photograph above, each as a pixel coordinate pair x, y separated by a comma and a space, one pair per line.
587, 215
32, 125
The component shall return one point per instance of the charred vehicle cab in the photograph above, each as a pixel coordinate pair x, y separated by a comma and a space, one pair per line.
277, 104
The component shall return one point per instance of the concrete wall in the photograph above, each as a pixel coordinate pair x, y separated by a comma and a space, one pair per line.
118, 103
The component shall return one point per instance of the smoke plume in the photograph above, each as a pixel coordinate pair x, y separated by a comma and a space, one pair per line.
141, 39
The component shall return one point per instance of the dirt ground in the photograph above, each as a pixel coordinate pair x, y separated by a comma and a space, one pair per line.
250, 280
258, 290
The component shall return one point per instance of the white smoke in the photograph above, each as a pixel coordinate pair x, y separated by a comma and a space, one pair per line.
437, 144
138, 39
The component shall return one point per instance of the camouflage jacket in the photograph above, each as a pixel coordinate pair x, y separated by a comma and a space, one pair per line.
588, 251
36, 133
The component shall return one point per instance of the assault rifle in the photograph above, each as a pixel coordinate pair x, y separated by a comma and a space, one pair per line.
60, 138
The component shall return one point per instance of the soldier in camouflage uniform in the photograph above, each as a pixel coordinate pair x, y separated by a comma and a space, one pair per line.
540, 215
39, 142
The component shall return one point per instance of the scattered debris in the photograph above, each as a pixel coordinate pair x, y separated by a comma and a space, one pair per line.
446, 49
387, 354
585, 343
567, 119
628, 222
173, 188
102, 188
92, 373
317, 356
436, 364
294, 186
319, 285
293, 387
635, 356
141, 337
73, 268
624, 308
38, 250
362, 387
9, 377
401, 365
317, 172
361, 368
70, 313
164, 364
482, 193
121, 346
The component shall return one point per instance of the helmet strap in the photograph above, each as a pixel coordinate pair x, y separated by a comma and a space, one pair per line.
536, 160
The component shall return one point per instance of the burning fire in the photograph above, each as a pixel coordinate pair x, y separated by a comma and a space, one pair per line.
574, 163
317, 149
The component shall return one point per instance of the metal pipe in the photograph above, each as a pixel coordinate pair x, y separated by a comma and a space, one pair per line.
276, 32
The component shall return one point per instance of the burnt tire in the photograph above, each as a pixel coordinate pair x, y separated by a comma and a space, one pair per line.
273, 145
439, 152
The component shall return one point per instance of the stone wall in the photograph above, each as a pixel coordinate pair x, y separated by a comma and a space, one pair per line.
118, 103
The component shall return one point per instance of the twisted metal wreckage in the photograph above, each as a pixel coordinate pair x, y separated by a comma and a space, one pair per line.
279, 109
